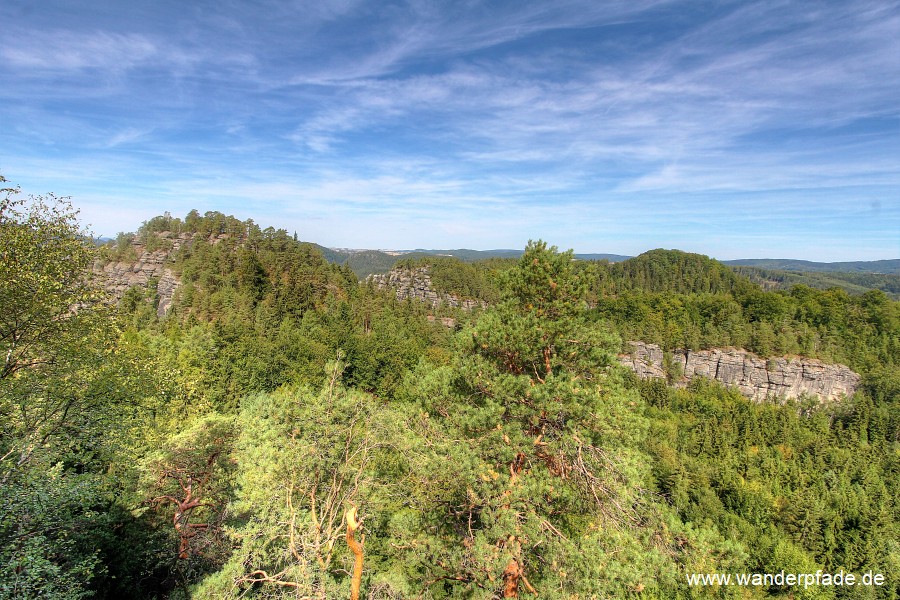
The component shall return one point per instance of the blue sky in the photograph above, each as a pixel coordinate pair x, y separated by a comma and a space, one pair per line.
734, 129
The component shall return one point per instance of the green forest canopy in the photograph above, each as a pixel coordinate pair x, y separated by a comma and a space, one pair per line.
213, 452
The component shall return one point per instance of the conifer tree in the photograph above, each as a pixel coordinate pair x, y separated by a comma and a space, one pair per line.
545, 479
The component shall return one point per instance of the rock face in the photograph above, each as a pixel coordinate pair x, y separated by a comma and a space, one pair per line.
165, 289
415, 284
754, 377
117, 277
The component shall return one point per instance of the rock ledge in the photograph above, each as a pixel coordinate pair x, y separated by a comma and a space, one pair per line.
756, 378
415, 284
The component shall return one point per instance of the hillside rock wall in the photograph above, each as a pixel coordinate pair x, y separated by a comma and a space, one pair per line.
118, 277
415, 284
754, 377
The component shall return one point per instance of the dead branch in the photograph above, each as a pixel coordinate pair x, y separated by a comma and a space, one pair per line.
357, 549
547, 366
260, 576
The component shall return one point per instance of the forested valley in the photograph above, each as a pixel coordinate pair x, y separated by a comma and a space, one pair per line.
285, 430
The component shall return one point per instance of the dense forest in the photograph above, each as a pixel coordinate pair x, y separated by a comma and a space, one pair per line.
286, 430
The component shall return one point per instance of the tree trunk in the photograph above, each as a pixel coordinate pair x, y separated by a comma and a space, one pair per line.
357, 549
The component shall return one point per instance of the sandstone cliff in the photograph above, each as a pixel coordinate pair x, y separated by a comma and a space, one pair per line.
415, 284
754, 377
144, 265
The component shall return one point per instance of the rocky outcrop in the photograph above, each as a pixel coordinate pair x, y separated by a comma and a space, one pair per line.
165, 290
754, 377
415, 284
117, 277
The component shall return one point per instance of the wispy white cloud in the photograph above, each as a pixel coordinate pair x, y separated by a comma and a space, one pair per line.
66, 50
496, 119
126, 136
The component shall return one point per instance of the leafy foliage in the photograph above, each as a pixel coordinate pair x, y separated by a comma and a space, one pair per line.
812, 479
288, 513
61, 386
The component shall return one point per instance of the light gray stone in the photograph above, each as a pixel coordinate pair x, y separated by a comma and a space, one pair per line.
415, 284
755, 377
118, 277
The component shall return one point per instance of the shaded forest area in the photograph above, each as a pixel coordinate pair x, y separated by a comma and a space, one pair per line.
218, 451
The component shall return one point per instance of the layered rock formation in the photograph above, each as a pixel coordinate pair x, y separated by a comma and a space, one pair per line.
415, 284
118, 277
754, 377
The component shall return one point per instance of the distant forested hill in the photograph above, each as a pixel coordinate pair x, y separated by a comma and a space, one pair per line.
683, 300
858, 278
853, 283
473, 255
853, 277
786, 264
362, 262
368, 262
